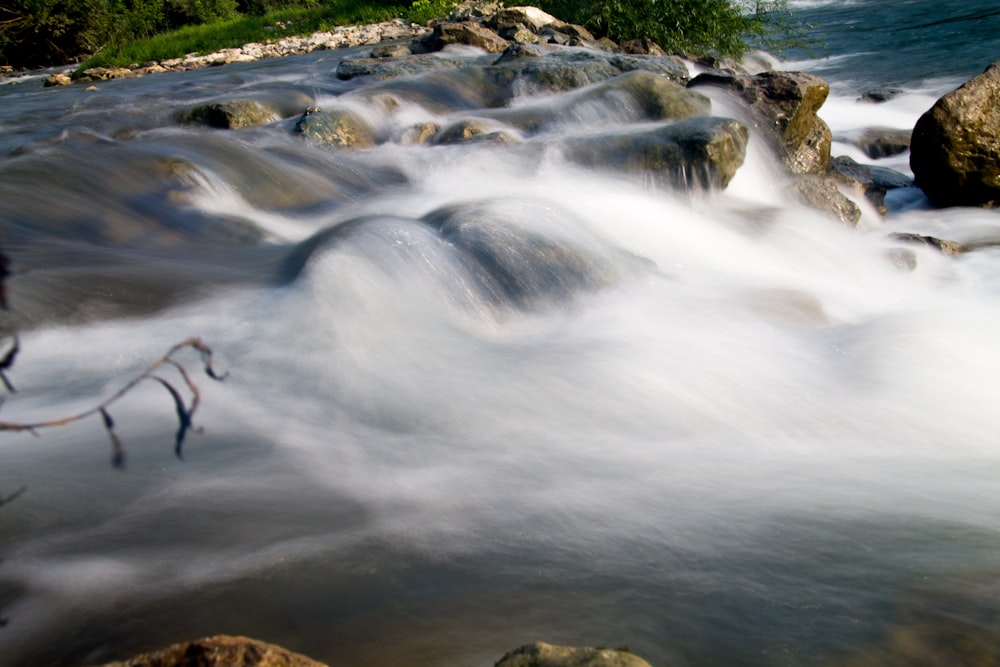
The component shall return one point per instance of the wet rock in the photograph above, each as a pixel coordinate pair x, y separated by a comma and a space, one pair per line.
232, 114
879, 95
880, 142
872, 181
944, 246
105, 74
541, 654
519, 51
60, 79
469, 130
654, 97
391, 51
466, 32
387, 68
220, 651
697, 153
419, 134
955, 150
822, 194
783, 105
339, 128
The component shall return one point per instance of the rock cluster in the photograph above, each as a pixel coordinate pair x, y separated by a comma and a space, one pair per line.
227, 651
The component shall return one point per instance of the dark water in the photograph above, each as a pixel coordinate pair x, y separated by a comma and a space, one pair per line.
481, 395
914, 44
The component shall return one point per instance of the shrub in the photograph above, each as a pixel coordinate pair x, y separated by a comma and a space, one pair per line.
690, 27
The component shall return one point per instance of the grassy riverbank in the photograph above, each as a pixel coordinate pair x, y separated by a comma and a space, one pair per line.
233, 33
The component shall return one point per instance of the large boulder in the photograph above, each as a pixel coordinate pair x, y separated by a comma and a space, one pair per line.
955, 149
783, 106
696, 153
220, 651
541, 654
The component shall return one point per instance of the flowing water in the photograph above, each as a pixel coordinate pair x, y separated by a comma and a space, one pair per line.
479, 396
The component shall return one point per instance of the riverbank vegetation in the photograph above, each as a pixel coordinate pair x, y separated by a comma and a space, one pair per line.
37, 33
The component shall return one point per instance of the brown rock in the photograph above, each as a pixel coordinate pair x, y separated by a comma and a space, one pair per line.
467, 32
822, 194
541, 654
783, 105
946, 247
955, 149
220, 651
58, 80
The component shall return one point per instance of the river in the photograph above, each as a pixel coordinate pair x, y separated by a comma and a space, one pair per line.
724, 430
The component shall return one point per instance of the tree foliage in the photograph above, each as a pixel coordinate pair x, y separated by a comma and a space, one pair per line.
690, 27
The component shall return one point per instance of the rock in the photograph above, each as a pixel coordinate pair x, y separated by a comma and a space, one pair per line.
518, 34
654, 97
578, 35
391, 51
105, 74
955, 149
822, 194
60, 79
532, 18
384, 69
466, 32
232, 114
784, 105
643, 47
697, 153
519, 51
469, 130
946, 247
872, 181
879, 95
220, 651
540, 654
880, 142
339, 128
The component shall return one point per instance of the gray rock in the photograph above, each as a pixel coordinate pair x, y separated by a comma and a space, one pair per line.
391, 51
387, 68
955, 150
880, 142
822, 194
879, 95
872, 181
540, 654
944, 246
697, 153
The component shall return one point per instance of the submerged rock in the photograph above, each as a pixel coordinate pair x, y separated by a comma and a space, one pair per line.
822, 194
946, 247
220, 651
880, 142
872, 181
541, 654
955, 150
696, 153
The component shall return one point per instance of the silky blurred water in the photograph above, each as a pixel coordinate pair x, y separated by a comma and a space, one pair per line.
499, 398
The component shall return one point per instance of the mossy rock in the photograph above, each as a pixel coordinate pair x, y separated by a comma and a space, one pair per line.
231, 114
339, 128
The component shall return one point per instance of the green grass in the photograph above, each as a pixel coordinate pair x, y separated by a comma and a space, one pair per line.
234, 33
